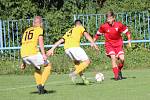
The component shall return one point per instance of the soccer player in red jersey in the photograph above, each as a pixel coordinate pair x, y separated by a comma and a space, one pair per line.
112, 30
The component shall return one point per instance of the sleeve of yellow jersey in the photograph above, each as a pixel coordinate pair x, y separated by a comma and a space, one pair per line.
66, 35
40, 32
82, 29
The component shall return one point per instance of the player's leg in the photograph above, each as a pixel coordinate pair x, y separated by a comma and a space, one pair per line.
79, 70
70, 55
79, 55
111, 53
114, 66
40, 77
37, 74
73, 75
120, 56
82, 56
44, 76
121, 64
121, 61
82, 66
47, 68
77, 63
45, 73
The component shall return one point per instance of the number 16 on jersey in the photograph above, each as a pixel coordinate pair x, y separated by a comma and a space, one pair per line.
28, 35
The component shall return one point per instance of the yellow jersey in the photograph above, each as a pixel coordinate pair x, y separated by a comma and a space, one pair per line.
73, 36
30, 41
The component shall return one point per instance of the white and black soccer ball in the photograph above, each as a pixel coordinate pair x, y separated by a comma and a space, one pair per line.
99, 77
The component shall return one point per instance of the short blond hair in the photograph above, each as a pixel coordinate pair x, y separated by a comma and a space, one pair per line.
38, 21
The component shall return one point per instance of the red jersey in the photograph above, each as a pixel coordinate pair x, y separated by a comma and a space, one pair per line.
112, 33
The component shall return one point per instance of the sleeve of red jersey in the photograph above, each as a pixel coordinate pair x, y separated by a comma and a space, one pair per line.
124, 29
99, 32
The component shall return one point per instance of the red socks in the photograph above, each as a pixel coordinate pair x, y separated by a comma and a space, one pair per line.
120, 66
116, 71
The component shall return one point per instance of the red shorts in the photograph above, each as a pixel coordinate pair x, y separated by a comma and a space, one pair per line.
114, 50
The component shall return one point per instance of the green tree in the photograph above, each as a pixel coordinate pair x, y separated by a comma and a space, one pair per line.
17, 9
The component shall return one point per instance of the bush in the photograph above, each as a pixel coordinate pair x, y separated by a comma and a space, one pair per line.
135, 58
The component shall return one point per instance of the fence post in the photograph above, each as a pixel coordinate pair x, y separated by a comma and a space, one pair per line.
149, 25
1, 35
74, 17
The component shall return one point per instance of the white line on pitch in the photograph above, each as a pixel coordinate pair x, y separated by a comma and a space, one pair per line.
29, 86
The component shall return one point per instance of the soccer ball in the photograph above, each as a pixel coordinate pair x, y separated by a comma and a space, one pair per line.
99, 77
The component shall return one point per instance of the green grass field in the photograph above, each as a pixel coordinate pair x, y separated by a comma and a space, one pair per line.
22, 87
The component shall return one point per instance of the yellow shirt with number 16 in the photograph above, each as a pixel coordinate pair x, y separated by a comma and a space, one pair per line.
30, 41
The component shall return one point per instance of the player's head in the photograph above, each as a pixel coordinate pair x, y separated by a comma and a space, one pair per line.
78, 22
37, 22
110, 17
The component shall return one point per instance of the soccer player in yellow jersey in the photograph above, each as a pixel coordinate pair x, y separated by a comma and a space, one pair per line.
72, 48
31, 55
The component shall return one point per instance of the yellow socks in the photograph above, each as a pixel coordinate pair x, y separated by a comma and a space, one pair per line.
80, 67
38, 77
45, 74
76, 66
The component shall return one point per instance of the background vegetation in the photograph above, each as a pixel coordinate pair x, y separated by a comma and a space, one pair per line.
135, 58
60, 12
18, 9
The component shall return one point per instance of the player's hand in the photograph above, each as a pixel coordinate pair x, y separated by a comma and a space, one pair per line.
95, 46
22, 66
50, 52
129, 43
44, 57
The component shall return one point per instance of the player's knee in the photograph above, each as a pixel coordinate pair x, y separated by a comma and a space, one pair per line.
121, 57
113, 60
87, 62
113, 57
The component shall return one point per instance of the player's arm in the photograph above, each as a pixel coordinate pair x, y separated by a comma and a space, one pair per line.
41, 44
97, 36
57, 44
99, 33
128, 34
89, 38
51, 51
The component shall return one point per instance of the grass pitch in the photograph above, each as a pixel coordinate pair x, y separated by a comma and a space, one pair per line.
60, 87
